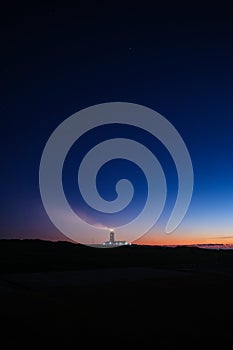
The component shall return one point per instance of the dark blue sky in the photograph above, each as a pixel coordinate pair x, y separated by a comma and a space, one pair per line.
56, 60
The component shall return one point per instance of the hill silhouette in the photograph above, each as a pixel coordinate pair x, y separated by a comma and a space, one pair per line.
64, 294
39, 255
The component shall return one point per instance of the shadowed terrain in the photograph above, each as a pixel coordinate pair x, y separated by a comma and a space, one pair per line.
61, 293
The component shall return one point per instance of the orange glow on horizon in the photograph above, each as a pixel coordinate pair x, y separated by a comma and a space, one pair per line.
184, 239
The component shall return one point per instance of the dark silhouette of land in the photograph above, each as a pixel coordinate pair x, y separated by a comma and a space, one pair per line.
63, 293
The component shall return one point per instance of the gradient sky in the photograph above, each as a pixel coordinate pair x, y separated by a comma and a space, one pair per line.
56, 60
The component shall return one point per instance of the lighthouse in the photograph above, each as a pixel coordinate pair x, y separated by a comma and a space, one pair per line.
112, 239
112, 242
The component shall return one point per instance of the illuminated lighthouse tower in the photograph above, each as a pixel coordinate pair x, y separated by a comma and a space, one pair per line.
112, 242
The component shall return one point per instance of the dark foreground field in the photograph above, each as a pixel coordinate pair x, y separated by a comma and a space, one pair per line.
56, 294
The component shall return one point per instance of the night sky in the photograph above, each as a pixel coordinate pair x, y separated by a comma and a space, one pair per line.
57, 60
